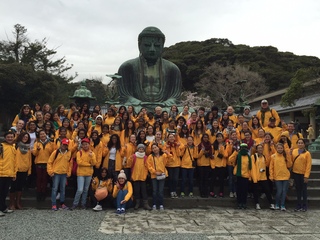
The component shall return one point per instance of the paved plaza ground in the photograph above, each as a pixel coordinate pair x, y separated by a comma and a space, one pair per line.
210, 223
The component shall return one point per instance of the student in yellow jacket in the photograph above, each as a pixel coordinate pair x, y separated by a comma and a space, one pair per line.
8, 169
189, 153
122, 192
138, 162
266, 112
156, 163
173, 165
259, 177
218, 166
102, 186
301, 168
42, 150
96, 146
128, 150
25, 114
59, 168
86, 160
242, 171
113, 157
205, 154
23, 165
293, 135
280, 174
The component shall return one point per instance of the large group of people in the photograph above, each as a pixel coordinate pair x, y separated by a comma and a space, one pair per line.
117, 155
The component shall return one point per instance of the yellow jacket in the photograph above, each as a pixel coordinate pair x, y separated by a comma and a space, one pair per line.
268, 115
139, 168
98, 152
245, 171
105, 139
188, 156
85, 163
128, 186
23, 161
258, 168
279, 167
123, 139
218, 161
119, 156
60, 163
8, 167
175, 151
301, 163
128, 150
42, 155
157, 164
202, 160
294, 138
96, 183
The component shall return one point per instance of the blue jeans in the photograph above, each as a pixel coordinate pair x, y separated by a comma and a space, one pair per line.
83, 187
157, 191
58, 180
173, 173
121, 195
232, 186
282, 188
187, 176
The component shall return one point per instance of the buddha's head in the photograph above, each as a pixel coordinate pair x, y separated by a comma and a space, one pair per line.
151, 41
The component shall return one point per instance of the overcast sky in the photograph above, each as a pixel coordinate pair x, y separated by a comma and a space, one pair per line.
98, 35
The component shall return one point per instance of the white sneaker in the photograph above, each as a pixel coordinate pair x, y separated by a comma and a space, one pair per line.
97, 208
2, 214
231, 195
8, 211
154, 207
235, 194
58, 196
272, 206
161, 208
172, 195
258, 206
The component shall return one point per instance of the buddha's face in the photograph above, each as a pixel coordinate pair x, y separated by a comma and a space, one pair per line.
151, 48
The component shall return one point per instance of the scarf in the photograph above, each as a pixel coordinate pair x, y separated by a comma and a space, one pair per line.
24, 148
242, 152
249, 143
207, 147
123, 185
263, 112
140, 155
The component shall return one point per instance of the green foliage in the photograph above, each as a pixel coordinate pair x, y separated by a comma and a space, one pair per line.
296, 88
276, 67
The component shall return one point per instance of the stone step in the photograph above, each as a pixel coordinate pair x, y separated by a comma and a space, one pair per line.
315, 174
181, 203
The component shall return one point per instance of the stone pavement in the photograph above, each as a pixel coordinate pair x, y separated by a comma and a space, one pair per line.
216, 223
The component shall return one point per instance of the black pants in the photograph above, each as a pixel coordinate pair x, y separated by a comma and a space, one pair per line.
204, 172
4, 189
301, 189
112, 170
140, 190
18, 184
217, 178
242, 190
127, 171
264, 186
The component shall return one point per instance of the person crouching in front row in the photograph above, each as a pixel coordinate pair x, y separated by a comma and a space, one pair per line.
122, 192
101, 188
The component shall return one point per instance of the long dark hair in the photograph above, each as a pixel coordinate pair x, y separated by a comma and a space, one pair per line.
110, 143
97, 141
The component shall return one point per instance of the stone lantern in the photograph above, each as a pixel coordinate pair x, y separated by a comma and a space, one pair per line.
82, 95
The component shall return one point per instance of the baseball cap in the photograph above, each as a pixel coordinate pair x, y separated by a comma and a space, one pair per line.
65, 141
85, 140
272, 119
264, 101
